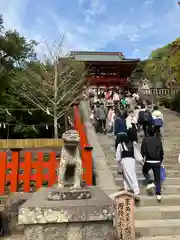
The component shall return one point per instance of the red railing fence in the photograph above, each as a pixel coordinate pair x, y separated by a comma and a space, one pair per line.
19, 172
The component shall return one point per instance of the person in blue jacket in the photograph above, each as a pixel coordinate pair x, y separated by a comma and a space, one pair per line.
120, 128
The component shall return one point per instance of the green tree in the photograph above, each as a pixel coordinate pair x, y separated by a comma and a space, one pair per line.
15, 52
163, 65
175, 59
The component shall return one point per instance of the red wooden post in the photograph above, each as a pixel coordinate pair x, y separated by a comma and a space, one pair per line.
39, 170
3, 160
27, 170
15, 171
52, 169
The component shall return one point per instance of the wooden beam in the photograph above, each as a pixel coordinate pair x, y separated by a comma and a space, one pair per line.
30, 143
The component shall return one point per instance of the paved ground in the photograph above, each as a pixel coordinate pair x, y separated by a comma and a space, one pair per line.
14, 237
177, 237
20, 237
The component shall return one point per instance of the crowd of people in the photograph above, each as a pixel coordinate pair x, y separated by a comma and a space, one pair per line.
124, 115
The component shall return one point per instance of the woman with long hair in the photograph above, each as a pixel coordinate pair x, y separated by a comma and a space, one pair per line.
127, 154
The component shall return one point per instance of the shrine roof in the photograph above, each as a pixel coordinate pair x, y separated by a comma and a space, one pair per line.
100, 57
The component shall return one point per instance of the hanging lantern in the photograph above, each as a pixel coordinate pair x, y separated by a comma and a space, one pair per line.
47, 111
33, 127
30, 113
8, 113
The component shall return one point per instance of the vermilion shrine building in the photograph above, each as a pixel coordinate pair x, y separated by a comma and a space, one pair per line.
107, 69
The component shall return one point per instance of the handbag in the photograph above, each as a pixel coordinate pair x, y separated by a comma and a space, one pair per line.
158, 122
163, 174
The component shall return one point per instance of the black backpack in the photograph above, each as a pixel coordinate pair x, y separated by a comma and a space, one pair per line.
129, 152
144, 116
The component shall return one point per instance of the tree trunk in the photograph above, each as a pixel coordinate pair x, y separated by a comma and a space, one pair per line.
55, 100
66, 119
55, 127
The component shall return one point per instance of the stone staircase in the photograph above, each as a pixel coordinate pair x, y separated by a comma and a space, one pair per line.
155, 220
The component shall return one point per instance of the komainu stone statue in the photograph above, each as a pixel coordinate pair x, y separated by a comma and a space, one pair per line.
70, 167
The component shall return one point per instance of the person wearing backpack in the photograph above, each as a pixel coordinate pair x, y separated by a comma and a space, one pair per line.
153, 154
144, 118
158, 120
119, 127
100, 116
127, 154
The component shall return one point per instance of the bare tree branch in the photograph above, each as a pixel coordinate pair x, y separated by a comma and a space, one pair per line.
52, 85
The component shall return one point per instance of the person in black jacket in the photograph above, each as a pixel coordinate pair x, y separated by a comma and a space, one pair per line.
145, 118
119, 128
153, 154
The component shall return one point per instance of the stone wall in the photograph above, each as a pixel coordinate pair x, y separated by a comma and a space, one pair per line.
105, 179
9, 217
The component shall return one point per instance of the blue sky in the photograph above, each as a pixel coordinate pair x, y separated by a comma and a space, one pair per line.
135, 27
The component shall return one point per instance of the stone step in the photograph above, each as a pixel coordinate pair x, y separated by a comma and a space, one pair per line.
169, 173
173, 237
167, 200
166, 190
168, 167
174, 144
171, 152
111, 161
159, 227
168, 181
157, 212
169, 157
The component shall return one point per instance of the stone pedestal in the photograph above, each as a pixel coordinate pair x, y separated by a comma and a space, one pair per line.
68, 214
124, 221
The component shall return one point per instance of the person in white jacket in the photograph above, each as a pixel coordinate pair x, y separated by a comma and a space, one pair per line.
136, 117
131, 125
111, 118
158, 120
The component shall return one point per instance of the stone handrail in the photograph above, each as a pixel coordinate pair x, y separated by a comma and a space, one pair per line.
105, 179
152, 95
159, 91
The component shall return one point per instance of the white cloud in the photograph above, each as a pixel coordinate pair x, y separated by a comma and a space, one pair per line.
84, 32
96, 7
148, 2
135, 53
89, 35
133, 37
13, 12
